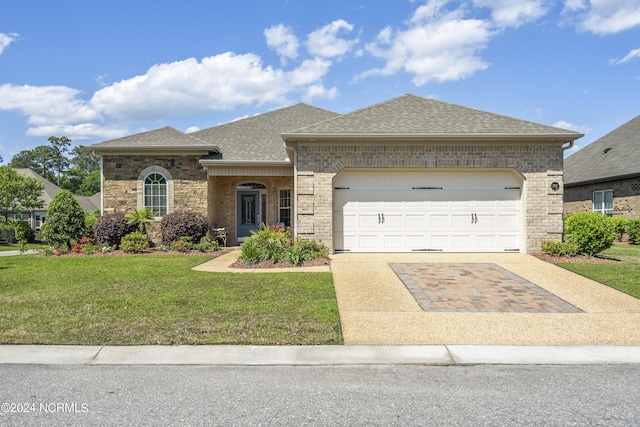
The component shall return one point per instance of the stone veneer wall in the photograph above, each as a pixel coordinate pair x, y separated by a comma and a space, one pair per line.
121, 189
540, 164
223, 199
626, 197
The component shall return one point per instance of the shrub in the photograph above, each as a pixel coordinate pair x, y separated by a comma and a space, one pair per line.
65, 220
591, 232
183, 223
251, 253
23, 230
620, 225
633, 230
79, 246
90, 219
134, 242
7, 233
276, 244
557, 248
206, 245
183, 244
111, 228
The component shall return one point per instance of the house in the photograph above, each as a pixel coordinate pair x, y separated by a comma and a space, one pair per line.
604, 176
36, 217
407, 174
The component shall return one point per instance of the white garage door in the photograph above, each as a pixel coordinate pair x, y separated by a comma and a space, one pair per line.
381, 211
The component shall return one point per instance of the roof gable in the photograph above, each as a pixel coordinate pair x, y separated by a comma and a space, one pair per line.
259, 137
410, 114
617, 154
163, 138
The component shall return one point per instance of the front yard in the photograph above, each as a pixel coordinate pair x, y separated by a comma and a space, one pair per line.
158, 299
624, 275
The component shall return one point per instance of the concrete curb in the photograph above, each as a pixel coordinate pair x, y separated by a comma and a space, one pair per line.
433, 355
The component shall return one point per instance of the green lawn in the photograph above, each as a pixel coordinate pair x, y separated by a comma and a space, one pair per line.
158, 299
16, 246
624, 276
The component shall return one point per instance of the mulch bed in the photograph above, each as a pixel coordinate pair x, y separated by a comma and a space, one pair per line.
575, 258
281, 264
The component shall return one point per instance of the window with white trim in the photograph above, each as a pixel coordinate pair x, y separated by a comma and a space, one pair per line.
155, 193
603, 202
285, 208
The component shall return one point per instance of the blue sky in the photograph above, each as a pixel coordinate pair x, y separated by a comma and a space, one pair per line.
97, 70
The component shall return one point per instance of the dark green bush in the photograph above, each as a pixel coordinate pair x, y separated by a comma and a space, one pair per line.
633, 230
65, 220
7, 233
591, 232
557, 248
90, 219
134, 242
110, 228
183, 244
23, 230
183, 223
620, 225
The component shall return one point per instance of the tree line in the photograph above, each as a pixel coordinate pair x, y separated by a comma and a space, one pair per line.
76, 170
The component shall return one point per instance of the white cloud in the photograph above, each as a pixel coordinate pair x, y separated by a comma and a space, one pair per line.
55, 110
283, 40
510, 13
325, 42
605, 16
216, 83
635, 53
6, 40
191, 129
563, 124
438, 44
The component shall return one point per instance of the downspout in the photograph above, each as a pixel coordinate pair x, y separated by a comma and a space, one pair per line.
295, 188
569, 146
101, 185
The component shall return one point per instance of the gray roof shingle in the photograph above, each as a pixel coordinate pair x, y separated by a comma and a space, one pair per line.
615, 155
410, 114
166, 137
258, 138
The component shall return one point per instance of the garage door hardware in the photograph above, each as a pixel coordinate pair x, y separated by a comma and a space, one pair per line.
341, 188
511, 188
474, 218
426, 188
381, 218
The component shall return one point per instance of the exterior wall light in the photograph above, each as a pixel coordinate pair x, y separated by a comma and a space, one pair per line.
555, 186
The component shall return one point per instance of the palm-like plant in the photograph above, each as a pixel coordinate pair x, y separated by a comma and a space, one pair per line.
141, 218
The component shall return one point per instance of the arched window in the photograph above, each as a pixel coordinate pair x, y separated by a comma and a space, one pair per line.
155, 193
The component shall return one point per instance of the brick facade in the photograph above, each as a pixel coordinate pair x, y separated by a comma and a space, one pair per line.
540, 165
626, 197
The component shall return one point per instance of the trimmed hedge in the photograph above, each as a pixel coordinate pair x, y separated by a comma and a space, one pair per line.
591, 232
633, 230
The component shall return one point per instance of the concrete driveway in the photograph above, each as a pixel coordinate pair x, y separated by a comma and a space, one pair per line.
378, 308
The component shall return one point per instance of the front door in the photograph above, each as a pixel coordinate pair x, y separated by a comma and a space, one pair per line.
248, 213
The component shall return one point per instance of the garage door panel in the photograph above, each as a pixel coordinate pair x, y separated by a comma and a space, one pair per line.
453, 211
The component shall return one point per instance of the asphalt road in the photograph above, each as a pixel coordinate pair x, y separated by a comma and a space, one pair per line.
326, 396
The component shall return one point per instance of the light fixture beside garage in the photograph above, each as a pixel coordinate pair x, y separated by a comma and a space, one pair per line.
555, 186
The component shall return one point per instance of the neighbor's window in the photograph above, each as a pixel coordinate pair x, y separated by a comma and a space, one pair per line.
285, 207
155, 193
603, 202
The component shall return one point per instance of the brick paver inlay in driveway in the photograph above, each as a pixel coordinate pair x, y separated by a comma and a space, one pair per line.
445, 287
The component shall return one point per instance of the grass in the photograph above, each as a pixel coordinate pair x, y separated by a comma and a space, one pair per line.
624, 276
158, 299
16, 247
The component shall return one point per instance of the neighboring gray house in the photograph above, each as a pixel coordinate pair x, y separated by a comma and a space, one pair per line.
604, 176
407, 174
36, 217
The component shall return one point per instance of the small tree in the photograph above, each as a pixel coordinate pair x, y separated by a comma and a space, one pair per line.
17, 192
65, 220
140, 218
